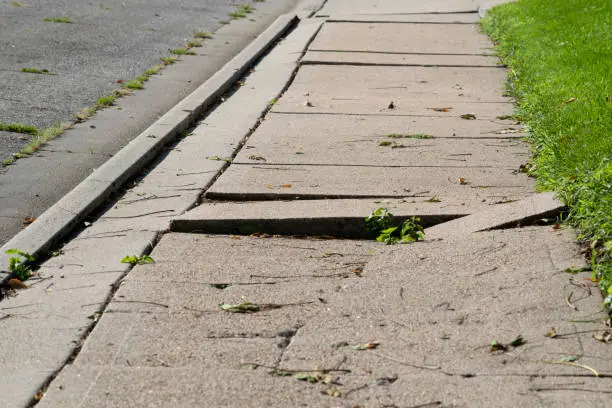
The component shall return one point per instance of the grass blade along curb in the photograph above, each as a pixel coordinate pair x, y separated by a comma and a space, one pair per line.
65, 215
558, 53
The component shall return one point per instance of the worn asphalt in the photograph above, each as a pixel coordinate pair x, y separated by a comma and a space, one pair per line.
264, 290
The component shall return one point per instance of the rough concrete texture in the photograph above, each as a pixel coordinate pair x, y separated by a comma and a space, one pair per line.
433, 321
244, 182
403, 38
369, 58
539, 207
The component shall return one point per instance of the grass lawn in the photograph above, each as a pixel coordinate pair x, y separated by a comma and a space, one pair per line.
559, 56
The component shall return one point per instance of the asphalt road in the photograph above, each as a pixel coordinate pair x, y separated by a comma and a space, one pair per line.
105, 43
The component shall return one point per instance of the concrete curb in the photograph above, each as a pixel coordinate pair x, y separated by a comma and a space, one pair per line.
59, 220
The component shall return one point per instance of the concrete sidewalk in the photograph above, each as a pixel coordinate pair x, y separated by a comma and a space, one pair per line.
395, 104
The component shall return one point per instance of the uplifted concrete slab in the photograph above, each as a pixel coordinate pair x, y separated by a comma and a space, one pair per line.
400, 6
371, 58
422, 91
403, 38
244, 182
314, 217
507, 215
279, 141
432, 18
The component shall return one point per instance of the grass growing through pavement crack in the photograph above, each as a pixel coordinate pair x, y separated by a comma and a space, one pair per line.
19, 264
30, 70
64, 20
241, 11
559, 73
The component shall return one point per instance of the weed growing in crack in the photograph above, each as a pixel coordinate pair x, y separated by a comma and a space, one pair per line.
137, 259
380, 223
19, 264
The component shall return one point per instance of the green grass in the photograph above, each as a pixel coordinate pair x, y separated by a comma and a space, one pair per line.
134, 84
168, 60
30, 70
182, 51
205, 35
65, 20
241, 11
559, 55
18, 128
196, 42
107, 100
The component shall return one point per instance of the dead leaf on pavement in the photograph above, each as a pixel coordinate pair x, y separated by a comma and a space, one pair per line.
447, 109
28, 220
604, 337
468, 116
367, 346
497, 346
463, 181
552, 333
391, 105
16, 284
244, 307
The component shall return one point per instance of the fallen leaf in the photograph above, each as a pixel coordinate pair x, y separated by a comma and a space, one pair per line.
518, 341
16, 284
552, 333
334, 392
391, 105
309, 377
447, 109
570, 100
509, 130
244, 307
497, 346
468, 116
28, 220
462, 181
367, 346
604, 337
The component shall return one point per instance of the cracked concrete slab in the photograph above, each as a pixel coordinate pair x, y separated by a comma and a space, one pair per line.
508, 215
376, 58
421, 91
244, 182
358, 127
325, 141
403, 38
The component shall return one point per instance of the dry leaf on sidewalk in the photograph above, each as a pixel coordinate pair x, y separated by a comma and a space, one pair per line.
367, 346
468, 116
447, 109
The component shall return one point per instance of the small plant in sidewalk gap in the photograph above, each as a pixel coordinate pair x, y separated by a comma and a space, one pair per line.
380, 223
18, 264
137, 259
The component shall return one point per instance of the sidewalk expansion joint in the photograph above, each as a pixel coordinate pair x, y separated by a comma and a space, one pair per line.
332, 20
406, 53
390, 64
